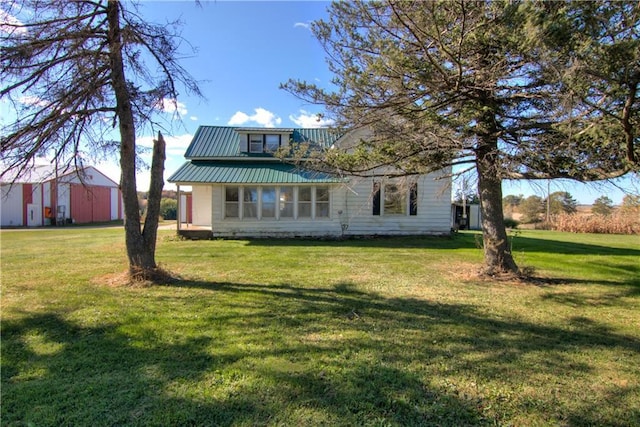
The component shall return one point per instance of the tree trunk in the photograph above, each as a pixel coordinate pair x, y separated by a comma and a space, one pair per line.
154, 197
497, 253
141, 254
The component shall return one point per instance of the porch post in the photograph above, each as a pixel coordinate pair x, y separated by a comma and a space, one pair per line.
179, 209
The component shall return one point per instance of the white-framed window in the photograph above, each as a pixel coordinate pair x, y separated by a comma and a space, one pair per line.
271, 202
322, 202
268, 202
271, 143
256, 143
395, 198
264, 143
250, 202
287, 202
231, 202
305, 202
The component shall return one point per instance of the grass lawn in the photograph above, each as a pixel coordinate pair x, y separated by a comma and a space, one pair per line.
372, 332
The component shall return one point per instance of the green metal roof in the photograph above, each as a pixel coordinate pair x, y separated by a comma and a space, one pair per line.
224, 141
243, 172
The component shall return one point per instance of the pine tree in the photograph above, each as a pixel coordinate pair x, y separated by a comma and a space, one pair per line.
512, 90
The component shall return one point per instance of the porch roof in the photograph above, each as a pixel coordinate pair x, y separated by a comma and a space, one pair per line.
210, 172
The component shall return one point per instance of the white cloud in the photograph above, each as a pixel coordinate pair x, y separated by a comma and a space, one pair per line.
194, 118
33, 100
305, 25
239, 118
262, 117
309, 120
169, 105
9, 24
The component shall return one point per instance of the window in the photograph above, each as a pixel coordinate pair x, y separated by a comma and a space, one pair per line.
271, 143
304, 202
286, 202
231, 202
376, 198
322, 202
250, 202
395, 200
255, 143
268, 202
264, 143
413, 199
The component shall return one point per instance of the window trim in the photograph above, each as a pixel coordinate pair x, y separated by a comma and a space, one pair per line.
263, 142
399, 201
295, 203
265, 149
237, 203
378, 199
251, 142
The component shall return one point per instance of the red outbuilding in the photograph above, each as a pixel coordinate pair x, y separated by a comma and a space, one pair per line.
44, 197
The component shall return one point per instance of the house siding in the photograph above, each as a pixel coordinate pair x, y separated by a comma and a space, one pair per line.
350, 214
432, 210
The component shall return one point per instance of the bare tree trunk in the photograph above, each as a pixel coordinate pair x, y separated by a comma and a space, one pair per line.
140, 253
154, 197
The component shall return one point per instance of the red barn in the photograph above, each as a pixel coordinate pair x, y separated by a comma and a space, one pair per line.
42, 198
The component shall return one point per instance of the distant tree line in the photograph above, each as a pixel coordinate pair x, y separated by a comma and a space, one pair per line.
561, 207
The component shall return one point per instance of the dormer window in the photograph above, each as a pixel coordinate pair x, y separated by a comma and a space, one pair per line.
264, 143
255, 143
271, 143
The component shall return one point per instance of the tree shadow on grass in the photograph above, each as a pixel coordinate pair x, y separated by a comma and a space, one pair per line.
466, 240
98, 376
626, 271
291, 355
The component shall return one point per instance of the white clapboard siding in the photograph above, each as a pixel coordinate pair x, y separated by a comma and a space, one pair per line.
432, 217
351, 213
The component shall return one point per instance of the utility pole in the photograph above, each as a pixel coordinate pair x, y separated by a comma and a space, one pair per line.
548, 201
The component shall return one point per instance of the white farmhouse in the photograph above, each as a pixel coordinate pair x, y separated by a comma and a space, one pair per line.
240, 189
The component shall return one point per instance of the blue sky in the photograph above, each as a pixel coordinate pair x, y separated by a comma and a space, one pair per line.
244, 50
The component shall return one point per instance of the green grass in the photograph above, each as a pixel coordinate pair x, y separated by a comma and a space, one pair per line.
372, 332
